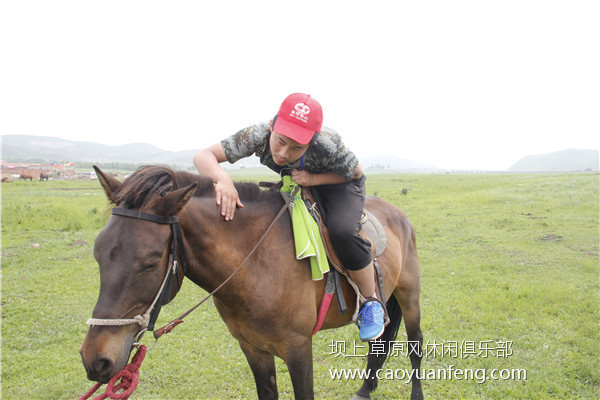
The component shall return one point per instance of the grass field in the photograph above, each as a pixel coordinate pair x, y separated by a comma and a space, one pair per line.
510, 282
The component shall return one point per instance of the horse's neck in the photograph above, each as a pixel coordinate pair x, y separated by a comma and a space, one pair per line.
214, 247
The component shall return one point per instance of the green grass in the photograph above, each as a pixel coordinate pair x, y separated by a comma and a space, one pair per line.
507, 258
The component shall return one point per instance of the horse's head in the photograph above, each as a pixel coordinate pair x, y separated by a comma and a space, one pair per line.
134, 254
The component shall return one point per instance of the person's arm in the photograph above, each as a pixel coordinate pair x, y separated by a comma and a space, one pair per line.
305, 178
207, 163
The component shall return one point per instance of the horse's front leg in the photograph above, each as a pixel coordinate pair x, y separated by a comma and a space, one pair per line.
299, 361
263, 368
409, 302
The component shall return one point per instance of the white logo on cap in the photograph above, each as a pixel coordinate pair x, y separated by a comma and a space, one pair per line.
302, 108
301, 113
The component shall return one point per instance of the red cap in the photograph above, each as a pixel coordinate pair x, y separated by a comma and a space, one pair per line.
299, 118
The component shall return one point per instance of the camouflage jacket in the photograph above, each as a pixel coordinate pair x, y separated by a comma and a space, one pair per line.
327, 154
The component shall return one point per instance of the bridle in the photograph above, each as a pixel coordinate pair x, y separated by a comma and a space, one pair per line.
148, 319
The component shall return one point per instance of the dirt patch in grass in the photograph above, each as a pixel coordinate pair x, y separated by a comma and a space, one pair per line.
551, 238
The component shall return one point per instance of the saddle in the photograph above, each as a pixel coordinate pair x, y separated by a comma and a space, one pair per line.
372, 230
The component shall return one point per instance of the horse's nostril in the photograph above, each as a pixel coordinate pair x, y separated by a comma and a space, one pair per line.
101, 370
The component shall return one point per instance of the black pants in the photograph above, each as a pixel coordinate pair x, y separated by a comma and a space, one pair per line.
342, 205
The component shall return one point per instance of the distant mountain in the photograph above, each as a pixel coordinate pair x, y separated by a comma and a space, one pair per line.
35, 149
565, 160
28, 148
25, 148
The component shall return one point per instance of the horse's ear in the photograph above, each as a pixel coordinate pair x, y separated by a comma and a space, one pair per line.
174, 202
109, 184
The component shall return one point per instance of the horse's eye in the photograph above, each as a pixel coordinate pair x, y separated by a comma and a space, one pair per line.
148, 267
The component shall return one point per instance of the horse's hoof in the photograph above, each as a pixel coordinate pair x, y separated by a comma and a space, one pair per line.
357, 397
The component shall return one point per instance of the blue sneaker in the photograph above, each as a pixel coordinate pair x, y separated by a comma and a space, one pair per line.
370, 321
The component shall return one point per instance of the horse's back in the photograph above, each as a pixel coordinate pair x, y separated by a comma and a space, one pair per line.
399, 261
393, 220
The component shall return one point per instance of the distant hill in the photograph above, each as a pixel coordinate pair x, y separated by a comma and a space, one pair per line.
25, 148
565, 160
39, 149
28, 148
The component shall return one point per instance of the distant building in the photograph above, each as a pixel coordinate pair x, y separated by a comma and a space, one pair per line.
12, 169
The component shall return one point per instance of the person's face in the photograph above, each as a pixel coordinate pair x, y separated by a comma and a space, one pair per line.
285, 150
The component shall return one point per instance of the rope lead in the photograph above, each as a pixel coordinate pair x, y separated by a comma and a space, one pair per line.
128, 376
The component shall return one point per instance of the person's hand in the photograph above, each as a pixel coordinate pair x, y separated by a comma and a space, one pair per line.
227, 198
303, 178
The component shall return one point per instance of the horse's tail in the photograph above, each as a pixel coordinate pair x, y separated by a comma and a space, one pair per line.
378, 355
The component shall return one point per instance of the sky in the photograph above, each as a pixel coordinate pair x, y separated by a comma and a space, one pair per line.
458, 84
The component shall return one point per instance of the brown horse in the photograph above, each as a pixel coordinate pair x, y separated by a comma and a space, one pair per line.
270, 306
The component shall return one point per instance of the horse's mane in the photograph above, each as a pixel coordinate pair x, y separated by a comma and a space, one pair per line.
150, 181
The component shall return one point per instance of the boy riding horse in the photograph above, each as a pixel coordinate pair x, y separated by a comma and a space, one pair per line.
295, 139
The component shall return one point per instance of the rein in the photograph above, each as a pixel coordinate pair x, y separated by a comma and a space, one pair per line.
148, 319
171, 325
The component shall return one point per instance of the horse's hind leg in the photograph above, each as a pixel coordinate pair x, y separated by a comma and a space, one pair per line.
378, 355
263, 369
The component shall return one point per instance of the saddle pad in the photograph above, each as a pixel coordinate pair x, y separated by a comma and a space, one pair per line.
374, 231
371, 228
